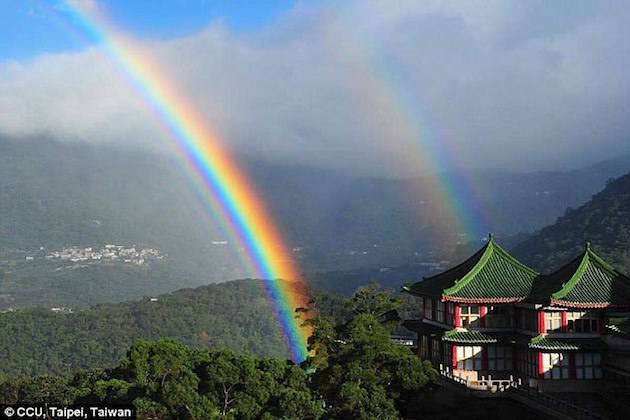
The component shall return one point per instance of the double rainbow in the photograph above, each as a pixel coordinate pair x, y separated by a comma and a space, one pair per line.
218, 181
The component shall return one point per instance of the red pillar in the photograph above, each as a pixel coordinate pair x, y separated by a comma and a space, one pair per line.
564, 321
458, 316
541, 370
482, 316
541, 322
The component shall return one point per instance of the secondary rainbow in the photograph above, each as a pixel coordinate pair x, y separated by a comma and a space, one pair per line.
217, 180
455, 193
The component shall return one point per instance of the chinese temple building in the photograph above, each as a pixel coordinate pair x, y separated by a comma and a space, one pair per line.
493, 316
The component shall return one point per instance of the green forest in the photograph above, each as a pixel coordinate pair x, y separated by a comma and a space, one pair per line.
233, 315
354, 370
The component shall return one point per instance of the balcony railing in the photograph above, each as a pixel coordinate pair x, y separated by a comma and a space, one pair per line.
515, 388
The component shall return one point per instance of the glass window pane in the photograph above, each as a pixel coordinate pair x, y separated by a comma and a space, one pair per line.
579, 373
597, 359
588, 373
579, 359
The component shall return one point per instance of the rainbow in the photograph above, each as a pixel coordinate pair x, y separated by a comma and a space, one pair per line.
454, 196
224, 189
433, 151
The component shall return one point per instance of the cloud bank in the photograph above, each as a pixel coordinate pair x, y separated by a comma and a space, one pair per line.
370, 87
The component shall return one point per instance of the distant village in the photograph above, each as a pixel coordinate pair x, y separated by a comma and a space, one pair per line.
110, 253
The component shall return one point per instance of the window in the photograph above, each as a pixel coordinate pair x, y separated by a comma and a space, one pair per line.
528, 363
440, 309
553, 321
436, 348
499, 317
470, 316
424, 347
448, 354
588, 366
528, 320
450, 314
468, 357
499, 358
428, 308
556, 365
582, 322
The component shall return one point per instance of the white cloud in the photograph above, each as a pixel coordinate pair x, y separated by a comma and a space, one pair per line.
349, 88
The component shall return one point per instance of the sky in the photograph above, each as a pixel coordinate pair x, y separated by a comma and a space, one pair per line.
368, 87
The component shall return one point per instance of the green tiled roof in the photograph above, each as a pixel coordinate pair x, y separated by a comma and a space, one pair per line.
490, 275
468, 337
586, 282
566, 344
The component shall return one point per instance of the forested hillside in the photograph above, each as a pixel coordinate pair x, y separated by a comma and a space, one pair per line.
233, 315
354, 370
604, 221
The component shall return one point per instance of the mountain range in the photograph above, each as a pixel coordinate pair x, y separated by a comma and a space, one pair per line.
57, 195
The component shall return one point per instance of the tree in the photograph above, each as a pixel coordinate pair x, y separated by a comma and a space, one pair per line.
358, 369
162, 371
46, 389
373, 300
249, 388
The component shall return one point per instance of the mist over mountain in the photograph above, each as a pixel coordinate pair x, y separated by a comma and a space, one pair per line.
56, 196
372, 222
